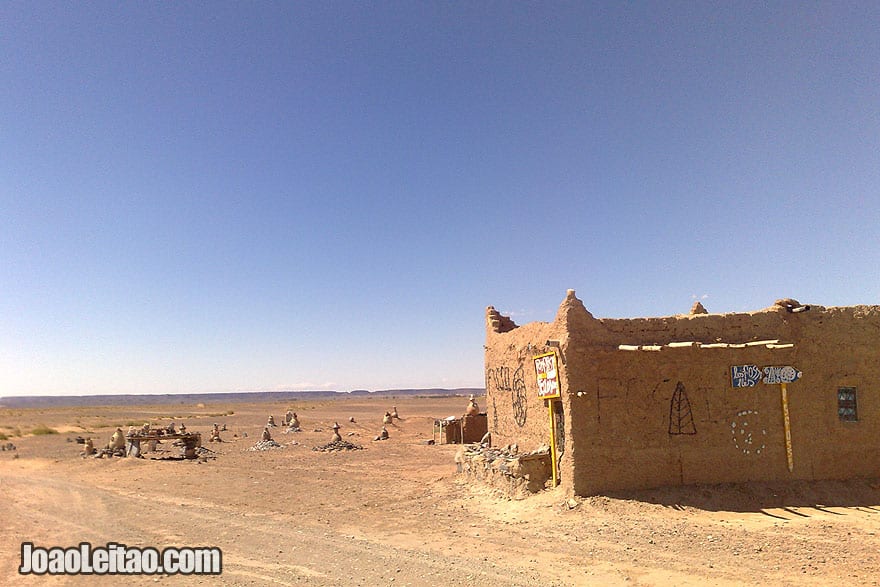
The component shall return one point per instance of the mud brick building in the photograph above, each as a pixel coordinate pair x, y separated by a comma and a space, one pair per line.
788, 392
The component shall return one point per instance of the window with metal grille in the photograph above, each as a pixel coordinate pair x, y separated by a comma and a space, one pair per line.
846, 404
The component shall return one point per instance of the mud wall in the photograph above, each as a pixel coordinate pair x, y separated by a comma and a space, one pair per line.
671, 415
516, 414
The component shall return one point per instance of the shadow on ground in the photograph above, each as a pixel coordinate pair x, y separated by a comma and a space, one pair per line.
861, 494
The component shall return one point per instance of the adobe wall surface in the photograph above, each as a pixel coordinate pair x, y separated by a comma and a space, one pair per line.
516, 414
645, 418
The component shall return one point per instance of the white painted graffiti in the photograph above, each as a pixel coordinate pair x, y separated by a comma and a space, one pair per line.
751, 375
748, 438
745, 375
775, 375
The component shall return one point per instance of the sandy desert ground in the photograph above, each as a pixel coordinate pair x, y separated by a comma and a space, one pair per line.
396, 513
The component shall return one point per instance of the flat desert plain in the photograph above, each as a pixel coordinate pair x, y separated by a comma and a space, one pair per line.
396, 512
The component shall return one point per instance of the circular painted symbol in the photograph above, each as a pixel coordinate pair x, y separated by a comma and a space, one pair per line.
520, 401
789, 374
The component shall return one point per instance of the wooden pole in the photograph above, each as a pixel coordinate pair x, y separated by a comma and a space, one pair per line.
787, 423
552, 442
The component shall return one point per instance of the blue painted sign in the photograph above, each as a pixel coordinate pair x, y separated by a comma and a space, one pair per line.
775, 375
751, 375
745, 375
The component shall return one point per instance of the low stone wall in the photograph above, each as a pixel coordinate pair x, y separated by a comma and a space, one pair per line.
515, 475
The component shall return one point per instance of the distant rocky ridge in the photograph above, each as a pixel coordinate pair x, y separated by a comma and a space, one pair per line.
235, 397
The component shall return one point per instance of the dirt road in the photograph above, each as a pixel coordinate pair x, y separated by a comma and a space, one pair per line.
395, 513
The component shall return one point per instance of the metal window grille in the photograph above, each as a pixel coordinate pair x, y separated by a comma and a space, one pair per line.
846, 404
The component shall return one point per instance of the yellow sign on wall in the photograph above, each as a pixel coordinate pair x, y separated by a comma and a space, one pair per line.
546, 368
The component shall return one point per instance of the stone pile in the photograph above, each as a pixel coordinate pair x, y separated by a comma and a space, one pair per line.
338, 445
265, 445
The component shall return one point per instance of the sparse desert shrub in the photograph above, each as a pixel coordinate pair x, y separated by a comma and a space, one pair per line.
3, 436
43, 429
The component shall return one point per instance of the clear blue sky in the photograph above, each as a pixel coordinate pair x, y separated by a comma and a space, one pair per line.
214, 196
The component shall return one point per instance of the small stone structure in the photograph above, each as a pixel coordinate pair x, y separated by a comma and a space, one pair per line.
514, 474
189, 442
788, 392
